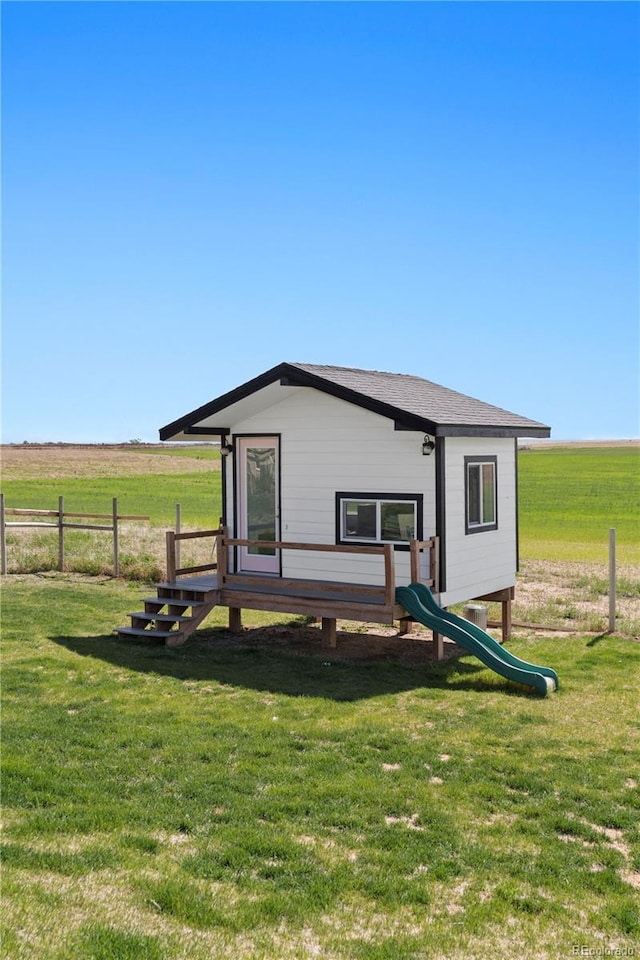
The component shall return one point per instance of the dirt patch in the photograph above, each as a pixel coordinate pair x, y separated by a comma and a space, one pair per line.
573, 596
560, 598
355, 642
23, 461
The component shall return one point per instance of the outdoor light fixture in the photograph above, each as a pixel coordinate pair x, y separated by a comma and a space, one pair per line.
428, 446
226, 448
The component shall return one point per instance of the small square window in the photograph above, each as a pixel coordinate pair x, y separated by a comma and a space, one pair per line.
370, 518
481, 494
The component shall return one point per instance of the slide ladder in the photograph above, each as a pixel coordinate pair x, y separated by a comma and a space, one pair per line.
420, 603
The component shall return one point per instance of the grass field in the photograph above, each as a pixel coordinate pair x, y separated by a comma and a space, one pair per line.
253, 796
147, 482
89, 479
571, 496
235, 799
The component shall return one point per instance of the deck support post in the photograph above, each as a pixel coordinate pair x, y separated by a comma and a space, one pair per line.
438, 646
389, 576
329, 635
235, 620
405, 627
504, 597
506, 620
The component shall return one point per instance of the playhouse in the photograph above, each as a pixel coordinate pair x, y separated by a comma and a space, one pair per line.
340, 484
325, 454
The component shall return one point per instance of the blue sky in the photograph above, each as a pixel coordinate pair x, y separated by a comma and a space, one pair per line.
195, 192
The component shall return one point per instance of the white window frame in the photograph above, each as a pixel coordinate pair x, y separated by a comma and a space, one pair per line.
413, 502
479, 463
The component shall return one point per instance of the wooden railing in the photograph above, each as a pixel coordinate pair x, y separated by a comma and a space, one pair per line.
432, 546
385, 551
173, 538
223, 543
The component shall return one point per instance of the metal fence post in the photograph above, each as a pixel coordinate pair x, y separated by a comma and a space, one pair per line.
3, 538
116, 559
612, 580
61, 534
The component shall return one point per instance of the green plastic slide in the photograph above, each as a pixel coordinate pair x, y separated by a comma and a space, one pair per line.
420, 603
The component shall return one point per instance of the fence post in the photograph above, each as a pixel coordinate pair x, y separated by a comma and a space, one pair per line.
612, 580
61, 534
116, 558
3, 538
178, 543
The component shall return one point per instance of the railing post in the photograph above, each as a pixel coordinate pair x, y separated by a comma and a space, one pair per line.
434, 563
178, 530
61, 534
221, 556
3, 538
171, 556
414, 552
389, 576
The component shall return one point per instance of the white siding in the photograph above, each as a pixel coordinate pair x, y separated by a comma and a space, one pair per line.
479, 563
326, 446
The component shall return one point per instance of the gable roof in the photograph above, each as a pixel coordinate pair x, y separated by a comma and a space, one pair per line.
410, 401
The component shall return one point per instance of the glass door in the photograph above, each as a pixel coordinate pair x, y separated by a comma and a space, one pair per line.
258, 502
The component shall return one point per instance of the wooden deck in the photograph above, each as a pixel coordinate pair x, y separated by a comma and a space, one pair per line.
318, 598
187, 596
181, 605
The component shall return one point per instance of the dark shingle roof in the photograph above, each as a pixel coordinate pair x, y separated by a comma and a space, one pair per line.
447, 410
410, 401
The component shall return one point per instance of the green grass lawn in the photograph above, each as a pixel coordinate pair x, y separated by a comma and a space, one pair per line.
225, 800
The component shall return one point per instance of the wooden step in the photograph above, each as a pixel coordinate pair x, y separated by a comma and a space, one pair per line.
199, 588
147, 624
174, 602
149, 615
146, 634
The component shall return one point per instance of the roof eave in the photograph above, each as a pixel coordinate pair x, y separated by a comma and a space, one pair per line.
187, 423
538, 430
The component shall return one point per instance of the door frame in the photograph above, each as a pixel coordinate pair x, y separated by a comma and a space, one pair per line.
239, 443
